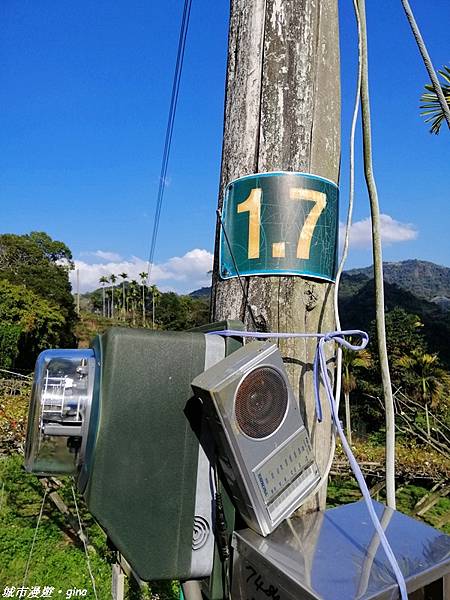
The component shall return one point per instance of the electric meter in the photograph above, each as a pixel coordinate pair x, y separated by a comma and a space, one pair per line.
122, 419
59, 411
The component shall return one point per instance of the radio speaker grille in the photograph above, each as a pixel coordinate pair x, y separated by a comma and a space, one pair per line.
261, 402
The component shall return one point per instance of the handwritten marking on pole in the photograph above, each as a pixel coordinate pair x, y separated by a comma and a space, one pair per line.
257, 582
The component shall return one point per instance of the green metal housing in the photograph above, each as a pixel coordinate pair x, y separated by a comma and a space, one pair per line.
141, 466
141, 486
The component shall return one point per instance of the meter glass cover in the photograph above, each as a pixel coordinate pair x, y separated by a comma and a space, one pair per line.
59, 411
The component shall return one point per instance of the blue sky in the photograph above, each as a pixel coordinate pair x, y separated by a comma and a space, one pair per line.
85, 89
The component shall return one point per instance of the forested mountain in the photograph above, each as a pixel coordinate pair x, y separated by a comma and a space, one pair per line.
419, 287
357, 310
204, 293
422, 278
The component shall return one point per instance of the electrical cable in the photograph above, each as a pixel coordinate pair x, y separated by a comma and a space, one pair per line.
2, 497
349, 214
169, 130
320, 366
226, 579
17, 374
338, 371
241, 283
427, 60
34, 537
83, 539
221, 528
221, 535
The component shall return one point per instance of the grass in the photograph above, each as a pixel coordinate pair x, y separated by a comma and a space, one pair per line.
57, 560
414, 464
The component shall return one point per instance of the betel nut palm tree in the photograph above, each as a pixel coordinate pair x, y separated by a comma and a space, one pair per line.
430, 383
103, 281
143, 276
351, 361
124, 278
134, 295
155, 297
112, 279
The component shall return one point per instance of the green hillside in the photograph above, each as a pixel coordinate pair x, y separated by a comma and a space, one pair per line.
357, 310
420, 277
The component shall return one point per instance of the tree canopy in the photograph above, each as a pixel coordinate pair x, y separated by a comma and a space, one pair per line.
39, 263
36, 303
28, 325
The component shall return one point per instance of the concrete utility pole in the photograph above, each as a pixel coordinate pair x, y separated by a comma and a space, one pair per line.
282, 112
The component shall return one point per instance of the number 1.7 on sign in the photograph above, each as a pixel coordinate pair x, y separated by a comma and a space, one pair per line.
252, 205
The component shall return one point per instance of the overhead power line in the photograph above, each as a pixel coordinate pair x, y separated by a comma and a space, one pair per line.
169, 131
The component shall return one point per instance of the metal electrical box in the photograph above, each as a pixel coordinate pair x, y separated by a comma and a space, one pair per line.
336, 555
148, 483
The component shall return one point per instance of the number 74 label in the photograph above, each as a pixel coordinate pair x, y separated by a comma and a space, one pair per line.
280, 223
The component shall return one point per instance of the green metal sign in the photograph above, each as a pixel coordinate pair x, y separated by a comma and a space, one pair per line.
280, 223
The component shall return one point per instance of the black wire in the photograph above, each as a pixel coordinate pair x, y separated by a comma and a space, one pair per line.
221, 532
244, 291
169, 130
226, 580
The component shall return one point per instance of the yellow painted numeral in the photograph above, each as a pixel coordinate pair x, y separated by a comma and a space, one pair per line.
278, 250
320, 201
252, 205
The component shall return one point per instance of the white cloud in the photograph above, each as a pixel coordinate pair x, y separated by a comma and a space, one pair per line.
182, 274
392, 232
110, 256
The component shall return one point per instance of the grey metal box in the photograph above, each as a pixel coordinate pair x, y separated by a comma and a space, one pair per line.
262, 444
336, 555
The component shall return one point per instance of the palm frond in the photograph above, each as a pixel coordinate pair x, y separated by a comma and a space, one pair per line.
430, 102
